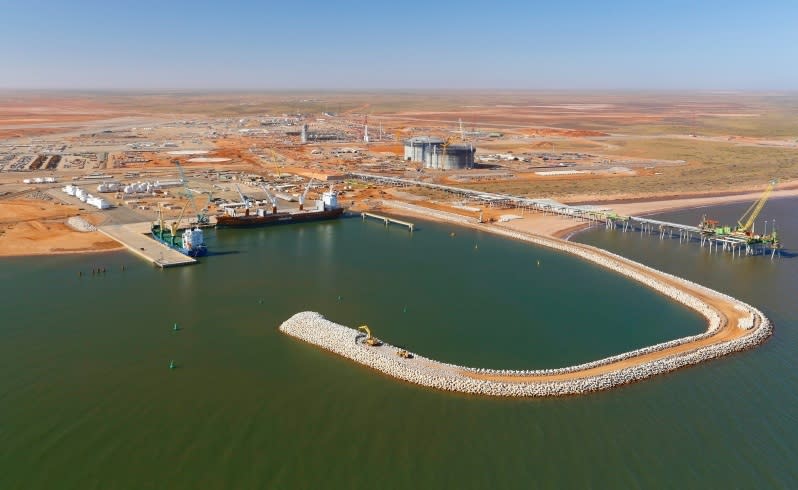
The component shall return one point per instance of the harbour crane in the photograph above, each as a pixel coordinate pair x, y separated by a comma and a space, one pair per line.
202, 218
304, 194
247, 201
369, 340
746, 222
271, 199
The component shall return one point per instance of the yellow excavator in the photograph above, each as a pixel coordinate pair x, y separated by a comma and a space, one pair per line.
370, 339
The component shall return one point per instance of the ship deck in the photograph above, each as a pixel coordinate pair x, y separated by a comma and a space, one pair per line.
135, 236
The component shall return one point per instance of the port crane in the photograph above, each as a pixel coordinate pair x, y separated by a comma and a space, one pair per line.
271, 198
744, 231
304, 195
202, 218
244, 199
746, 222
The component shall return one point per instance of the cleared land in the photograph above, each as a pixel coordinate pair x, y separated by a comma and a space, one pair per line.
576, 148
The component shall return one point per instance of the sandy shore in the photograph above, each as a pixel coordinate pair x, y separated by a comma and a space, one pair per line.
33, 227
562, 227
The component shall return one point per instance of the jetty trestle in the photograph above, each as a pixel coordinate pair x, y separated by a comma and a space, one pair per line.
387, 220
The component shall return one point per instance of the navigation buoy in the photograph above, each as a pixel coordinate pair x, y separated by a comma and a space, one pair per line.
175, 328
476, 246
80, 273
404, 310
452, 234
172, 365
538, 262
339, 298
260, 301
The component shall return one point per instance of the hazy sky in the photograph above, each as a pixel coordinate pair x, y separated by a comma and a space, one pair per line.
261, 44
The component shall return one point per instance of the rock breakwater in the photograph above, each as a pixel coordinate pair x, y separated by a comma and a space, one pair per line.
732, 326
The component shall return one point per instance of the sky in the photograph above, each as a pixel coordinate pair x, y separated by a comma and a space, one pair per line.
408, 44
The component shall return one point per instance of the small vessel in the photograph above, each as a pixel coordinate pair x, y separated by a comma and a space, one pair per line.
191, 242
326, 208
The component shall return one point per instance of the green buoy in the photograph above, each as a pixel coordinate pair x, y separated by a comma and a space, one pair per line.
339, 298
175, 328
404, 310
172, 365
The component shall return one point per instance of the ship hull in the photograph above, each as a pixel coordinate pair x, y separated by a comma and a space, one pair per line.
276, 219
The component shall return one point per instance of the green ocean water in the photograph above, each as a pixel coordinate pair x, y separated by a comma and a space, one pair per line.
87, 399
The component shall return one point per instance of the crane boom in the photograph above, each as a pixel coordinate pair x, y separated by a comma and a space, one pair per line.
244, 199
304, 194
201, 217
271, 199
748, 218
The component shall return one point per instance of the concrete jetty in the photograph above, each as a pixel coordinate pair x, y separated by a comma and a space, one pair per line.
387, 220
135, 237
732, 326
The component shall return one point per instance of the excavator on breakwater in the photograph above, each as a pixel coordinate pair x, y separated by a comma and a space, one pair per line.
375, 342
370, 339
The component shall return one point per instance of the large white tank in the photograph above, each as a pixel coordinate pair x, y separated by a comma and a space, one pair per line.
98, 202
81, 194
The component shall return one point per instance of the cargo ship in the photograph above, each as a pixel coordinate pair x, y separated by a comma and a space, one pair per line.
326, 208
191, 242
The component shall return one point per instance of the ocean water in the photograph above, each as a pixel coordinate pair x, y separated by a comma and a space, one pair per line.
87, 399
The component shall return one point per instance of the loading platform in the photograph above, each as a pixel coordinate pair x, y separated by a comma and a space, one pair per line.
135, 236
593, 214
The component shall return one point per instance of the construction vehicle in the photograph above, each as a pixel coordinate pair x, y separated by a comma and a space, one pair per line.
710, 226
369, 340
304, 195
404, 354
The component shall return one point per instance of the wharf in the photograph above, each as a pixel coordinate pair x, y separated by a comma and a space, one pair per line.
135, 236
387, 220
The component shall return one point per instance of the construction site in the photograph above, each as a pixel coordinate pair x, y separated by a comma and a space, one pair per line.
484, 165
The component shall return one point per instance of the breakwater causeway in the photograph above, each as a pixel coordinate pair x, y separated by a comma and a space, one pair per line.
732, 326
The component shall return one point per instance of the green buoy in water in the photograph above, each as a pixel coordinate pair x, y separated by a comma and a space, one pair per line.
175, 328
172, 365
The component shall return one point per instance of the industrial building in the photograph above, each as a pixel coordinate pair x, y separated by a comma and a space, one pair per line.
434, 153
